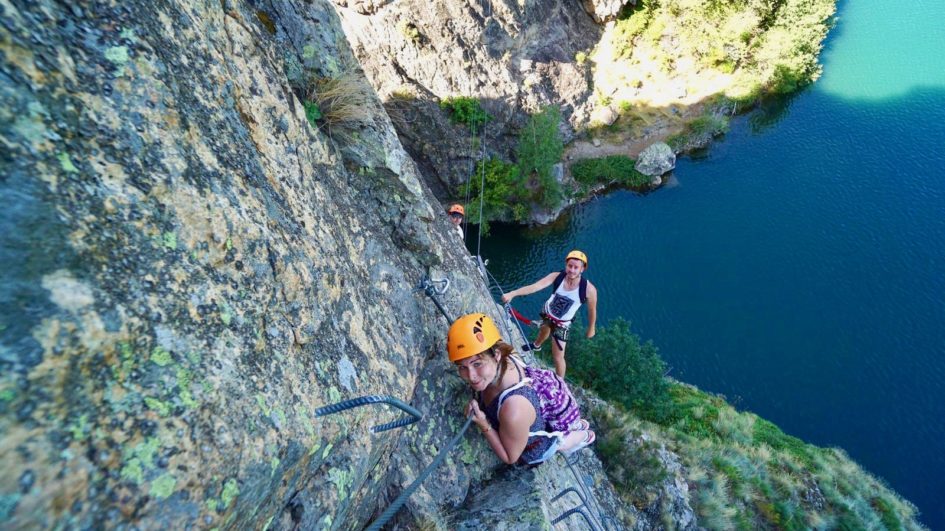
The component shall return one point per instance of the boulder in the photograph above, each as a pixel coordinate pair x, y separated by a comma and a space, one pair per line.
605, 115
603, 11
557, 171
656, 160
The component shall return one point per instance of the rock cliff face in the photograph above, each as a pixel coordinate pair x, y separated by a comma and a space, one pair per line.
514, 56
190, 266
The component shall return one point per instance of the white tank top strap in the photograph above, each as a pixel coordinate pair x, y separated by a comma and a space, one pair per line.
522, 383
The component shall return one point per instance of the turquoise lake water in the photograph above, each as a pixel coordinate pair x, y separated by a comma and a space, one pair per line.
799, 267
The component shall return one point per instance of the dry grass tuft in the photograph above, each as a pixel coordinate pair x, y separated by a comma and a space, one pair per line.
343, 100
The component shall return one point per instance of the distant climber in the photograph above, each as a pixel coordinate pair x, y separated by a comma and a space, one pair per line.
456, 213
569, 291
508, 409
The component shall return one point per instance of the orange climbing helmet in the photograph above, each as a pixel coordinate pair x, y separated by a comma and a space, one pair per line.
457, 209
470, 335
578, 255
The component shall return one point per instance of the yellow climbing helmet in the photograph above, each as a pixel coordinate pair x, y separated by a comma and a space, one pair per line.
577, 254
457, 209
471, 334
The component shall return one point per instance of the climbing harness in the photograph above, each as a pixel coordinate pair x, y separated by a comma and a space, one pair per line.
374, 399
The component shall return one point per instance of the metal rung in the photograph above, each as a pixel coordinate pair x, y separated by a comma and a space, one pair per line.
374, 399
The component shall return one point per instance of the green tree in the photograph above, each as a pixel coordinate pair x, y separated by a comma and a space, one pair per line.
539, 149
504, 194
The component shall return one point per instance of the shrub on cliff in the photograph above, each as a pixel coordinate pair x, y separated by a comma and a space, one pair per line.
466, 110
503, 197
618, 366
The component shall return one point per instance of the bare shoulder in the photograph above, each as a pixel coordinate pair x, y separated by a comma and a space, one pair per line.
517, 411
591, 289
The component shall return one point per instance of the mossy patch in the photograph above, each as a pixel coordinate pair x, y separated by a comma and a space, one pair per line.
469, 455
169, 240
334, 395
66, 163
132, 471
161, 357
312, 113
145, 451
261, 402
342, 480
158, 406
306, 423
184, 378
280, 416
231, 490
226, 314
163, 486
126, 354
80, 428
117, 54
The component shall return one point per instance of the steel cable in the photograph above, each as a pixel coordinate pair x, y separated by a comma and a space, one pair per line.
394, 507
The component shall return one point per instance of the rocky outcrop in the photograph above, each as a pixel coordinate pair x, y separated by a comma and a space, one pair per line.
514, 57
191, 265
656, 160
604, 10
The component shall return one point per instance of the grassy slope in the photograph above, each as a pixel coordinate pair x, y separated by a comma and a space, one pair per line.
743, 471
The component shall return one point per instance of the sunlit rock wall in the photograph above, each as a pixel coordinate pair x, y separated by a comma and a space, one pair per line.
189, 268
